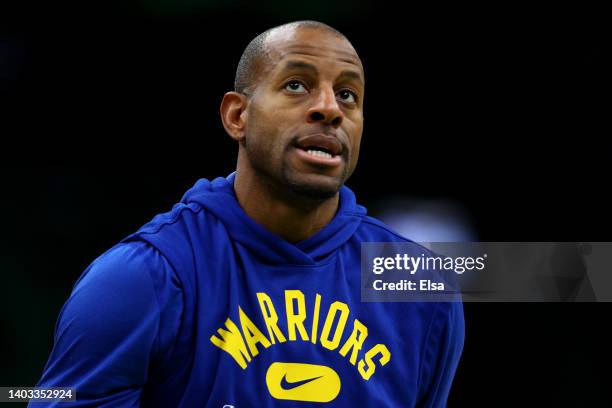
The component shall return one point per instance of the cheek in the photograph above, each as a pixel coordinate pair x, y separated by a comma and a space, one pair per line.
355, 143
258, 128
276, 124
355, 155
265, 134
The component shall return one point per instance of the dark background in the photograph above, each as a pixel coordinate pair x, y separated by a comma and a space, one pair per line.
110, 112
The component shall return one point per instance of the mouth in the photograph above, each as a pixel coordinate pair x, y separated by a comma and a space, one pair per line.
320, 149
318, 152
319, 158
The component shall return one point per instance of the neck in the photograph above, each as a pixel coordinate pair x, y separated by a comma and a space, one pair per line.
292, 217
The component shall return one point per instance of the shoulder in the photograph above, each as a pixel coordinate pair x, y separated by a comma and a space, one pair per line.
127, 265
130, 289
120, 317
177, 234
179, 213
127, 281
129, 285
374, 230
442, 318
379, 228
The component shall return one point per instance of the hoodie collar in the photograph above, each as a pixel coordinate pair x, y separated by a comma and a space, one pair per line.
219, 198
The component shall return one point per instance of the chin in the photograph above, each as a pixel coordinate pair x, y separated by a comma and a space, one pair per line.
321, 188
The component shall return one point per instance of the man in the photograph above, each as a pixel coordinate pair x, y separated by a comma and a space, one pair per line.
247, 293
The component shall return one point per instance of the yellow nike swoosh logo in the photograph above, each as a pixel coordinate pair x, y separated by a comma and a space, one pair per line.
302, 382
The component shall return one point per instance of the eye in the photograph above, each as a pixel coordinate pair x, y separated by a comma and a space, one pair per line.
347, 96
295, 86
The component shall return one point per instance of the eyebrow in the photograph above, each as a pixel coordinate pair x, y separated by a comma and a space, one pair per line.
291, 65
351, 75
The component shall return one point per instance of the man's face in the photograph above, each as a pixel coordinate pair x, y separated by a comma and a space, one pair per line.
305, 115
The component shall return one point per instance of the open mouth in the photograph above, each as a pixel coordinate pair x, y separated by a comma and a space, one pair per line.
318, 152
320, 146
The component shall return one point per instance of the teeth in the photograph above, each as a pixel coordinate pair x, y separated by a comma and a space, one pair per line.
318, 153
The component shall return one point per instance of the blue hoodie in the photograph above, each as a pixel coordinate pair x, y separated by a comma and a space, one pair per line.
203, 307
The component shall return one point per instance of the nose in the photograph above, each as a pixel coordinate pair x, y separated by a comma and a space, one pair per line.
325, 108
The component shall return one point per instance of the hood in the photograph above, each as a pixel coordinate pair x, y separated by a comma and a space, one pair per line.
219, 198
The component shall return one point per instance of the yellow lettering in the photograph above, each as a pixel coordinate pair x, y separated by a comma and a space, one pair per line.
315, 319
329, 320
251, 333
232, 343
355, 341
295, 319
270, 317
384, 359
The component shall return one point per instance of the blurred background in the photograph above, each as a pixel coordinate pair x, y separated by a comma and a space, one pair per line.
481, 123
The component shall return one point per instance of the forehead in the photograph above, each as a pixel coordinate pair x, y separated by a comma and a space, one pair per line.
315, 45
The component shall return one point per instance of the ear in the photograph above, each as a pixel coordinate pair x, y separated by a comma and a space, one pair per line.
234, 114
